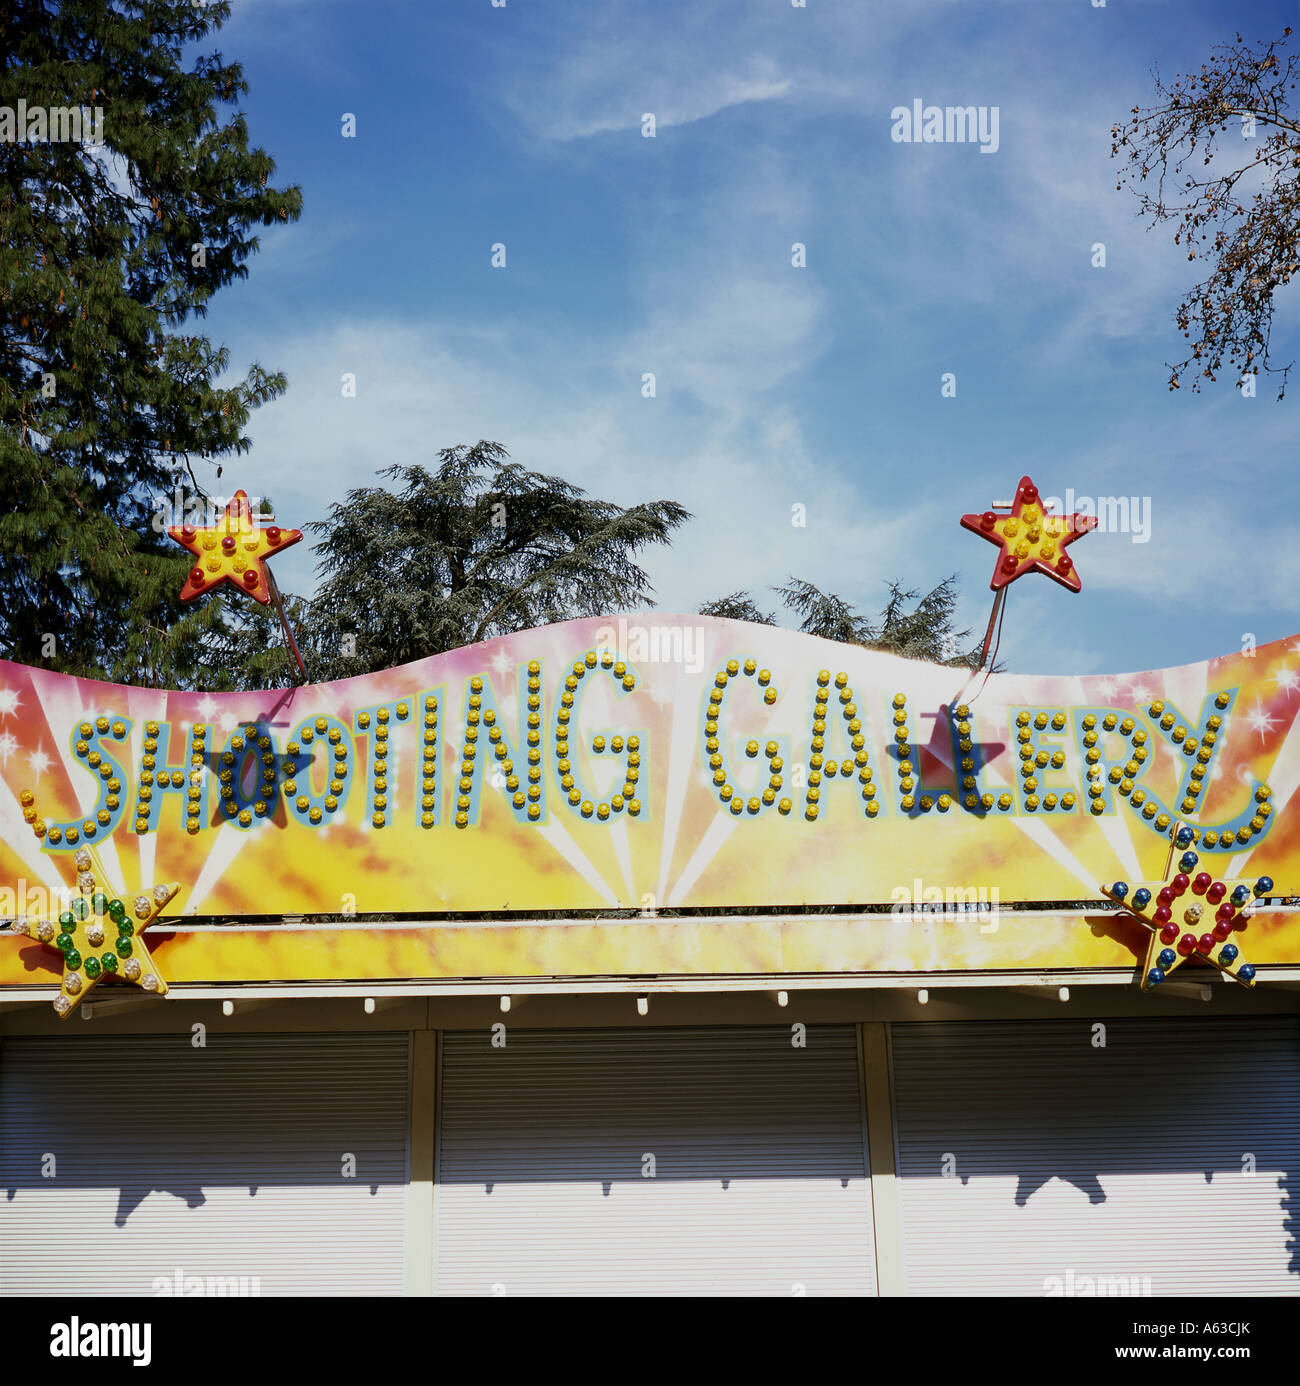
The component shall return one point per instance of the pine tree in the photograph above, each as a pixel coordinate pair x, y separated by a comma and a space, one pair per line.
825, 613
475, 548
108, 399
738, 606
925, 630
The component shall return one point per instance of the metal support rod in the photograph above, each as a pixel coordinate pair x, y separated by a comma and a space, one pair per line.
993, 620
1178, 825
284, 624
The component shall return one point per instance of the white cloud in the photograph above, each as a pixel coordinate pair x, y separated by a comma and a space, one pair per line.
915, 253
733, 455
729, 339
673, 97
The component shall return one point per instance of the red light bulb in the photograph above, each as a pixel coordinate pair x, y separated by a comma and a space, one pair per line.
1187, 945
1169, 933
1179, 883
1202, 882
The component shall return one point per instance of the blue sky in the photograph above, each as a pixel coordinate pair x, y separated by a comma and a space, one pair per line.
775, 386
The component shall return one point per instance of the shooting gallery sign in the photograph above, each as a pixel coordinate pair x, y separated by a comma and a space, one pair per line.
652, 762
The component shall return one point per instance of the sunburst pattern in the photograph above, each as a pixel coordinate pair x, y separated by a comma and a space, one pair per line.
686, 848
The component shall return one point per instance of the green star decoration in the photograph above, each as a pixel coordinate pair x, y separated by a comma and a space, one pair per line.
100, 936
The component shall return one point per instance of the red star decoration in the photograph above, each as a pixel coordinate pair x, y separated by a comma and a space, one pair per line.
1031, 539
1176, 910
233, 550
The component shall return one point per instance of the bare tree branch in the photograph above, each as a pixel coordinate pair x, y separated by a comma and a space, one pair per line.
1242, 215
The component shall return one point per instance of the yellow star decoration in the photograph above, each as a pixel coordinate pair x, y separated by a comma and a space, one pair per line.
100, 936
1031, 538
233, 550
1192, 915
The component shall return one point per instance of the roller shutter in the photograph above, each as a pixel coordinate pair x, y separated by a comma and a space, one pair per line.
1165, 1162
759, 1171
225, 1163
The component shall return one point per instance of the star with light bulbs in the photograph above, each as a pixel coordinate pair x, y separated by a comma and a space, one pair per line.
1031, 538
1192, 915
233, 550
99, 935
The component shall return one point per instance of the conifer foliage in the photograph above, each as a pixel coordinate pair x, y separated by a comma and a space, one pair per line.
108, 396
909, 624
475, 548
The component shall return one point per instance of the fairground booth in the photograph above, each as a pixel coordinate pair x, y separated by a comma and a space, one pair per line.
654, 954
